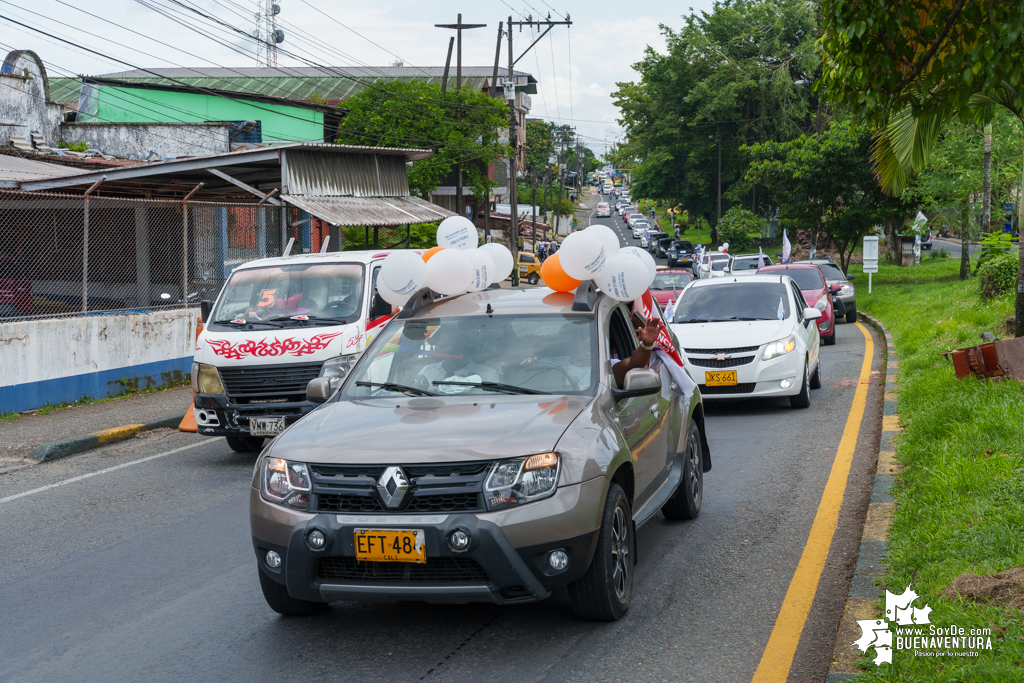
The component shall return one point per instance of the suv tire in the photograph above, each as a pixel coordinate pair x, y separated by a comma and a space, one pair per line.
803, 399
603, 593
533, 278
685, 502
282, 603
851, 317
245, 444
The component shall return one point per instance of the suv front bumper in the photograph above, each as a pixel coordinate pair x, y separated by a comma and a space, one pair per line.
505, 570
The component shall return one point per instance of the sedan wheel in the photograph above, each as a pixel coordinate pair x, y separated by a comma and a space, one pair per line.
604, 592
533, 279
803, 399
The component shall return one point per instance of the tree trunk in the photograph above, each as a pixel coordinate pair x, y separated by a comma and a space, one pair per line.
986, 192
965, 244
1019, 306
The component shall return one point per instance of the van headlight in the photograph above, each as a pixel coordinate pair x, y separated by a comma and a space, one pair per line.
285, 483
779, 348
521, 480
206, 379
338, 367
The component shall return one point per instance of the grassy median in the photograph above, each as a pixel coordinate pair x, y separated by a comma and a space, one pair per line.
960, 500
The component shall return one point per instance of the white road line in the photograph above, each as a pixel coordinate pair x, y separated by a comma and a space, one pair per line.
81, 477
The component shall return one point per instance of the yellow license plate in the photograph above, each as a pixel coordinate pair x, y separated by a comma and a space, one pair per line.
723, 378
391, 545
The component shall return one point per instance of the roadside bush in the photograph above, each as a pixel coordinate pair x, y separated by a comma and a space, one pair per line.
993, 244
739, 227
941, 252
997, 275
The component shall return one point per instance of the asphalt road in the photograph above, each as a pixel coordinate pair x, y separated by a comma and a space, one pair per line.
954, 247
146, 571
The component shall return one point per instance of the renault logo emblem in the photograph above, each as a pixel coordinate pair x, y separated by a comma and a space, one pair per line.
392, 487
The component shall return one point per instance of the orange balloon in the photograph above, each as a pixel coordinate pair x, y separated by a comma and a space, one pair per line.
430, 253
554, 277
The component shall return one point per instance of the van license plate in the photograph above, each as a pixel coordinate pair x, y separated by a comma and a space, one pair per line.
266, 426
391, 545
724, 378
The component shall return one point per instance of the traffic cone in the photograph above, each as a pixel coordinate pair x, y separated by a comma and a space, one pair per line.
188, 423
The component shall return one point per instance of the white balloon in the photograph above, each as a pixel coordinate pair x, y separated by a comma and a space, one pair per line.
582, 255
403, 272
483, 270
608, 238
625, 278
449, 271
457, 232
502, 259
390, 296
644, 256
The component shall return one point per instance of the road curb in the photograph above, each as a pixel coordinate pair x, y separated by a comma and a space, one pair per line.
864, 594
77, 444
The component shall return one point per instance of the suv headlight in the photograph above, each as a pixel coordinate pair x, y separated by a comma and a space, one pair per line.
779, 348
206, 379
521, 480
285, 482
821, 305
338, 367
846, 290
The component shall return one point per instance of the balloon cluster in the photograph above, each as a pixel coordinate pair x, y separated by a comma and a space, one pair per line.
594, 254
456, 265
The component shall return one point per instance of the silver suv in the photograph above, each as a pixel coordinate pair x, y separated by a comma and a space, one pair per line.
480, 451
834, 275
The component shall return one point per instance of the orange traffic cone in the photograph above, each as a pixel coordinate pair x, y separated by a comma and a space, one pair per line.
188, 423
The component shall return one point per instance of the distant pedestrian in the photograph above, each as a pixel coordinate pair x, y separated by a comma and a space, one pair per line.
677, 231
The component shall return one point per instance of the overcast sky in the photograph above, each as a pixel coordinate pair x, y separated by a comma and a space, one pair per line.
606, 38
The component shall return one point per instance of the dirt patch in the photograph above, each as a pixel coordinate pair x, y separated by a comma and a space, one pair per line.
1005, 588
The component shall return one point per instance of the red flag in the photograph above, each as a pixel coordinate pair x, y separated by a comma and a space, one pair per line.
646, 307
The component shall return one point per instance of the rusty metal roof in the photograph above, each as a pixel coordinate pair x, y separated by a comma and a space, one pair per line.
15, 170
346, 175
369, 210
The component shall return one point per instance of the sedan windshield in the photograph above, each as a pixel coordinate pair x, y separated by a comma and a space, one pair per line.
733, 301
511, 354
748, 263
719, 263
316, 291
671, 280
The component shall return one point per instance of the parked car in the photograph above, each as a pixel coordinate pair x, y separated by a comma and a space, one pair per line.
926, 242
681, 253
529, 267
668, 283
815, 292
469, 473
603, 209
660, 247
847, 293
745, 264
750, 337
712, 264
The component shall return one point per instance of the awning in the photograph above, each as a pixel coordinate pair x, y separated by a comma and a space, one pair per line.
369, 210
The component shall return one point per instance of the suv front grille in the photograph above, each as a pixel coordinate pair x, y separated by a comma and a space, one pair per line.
734, 389
250, 383
436, 569
458, 502
726, 363
433, 487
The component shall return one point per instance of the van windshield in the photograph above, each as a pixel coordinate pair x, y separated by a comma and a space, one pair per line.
292, 294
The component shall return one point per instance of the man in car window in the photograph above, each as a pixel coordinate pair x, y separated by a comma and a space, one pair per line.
641, 354
456, 351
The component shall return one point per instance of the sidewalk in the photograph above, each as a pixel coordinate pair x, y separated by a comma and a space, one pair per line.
19, 436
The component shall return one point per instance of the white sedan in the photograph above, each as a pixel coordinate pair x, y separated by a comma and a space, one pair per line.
751, 337
712, 264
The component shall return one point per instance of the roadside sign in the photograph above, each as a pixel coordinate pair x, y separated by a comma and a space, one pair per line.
870, 257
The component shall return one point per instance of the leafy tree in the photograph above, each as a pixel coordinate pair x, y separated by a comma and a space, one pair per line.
738, 228
460, 126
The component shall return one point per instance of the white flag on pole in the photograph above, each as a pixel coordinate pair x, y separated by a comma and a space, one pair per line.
787, 248
760, 258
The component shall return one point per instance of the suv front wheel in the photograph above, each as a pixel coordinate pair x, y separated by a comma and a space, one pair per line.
604, 592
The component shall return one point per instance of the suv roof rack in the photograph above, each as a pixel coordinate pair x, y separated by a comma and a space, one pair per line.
586, 297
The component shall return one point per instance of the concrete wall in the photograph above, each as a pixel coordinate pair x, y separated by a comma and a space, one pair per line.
139, 139
24, 100
61, 360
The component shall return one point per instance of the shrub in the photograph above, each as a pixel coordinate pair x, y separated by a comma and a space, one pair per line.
739, 227
998, 275
941, 252
993, 244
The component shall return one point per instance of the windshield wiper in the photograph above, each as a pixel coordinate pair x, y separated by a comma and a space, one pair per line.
742, 318
391, 386
693, 320
243, 323
493, 386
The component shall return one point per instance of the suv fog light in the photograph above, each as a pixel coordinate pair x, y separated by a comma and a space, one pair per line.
273, 559
785, 384
458, 539
558, 560
316, 539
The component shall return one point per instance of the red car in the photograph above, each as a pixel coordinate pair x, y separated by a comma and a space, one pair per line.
816, 293
668, 283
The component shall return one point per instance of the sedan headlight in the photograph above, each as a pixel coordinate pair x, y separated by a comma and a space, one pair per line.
821, 305
286, 483
779, 348
521, 480
338, 367
206, 379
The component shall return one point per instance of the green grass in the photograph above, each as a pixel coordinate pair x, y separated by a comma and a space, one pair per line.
131, 389
961, 497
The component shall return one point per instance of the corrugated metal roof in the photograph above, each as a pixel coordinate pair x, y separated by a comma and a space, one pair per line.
295, 83
345, 175
14, 170
369, 210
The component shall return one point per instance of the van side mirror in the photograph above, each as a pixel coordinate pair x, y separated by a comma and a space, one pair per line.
638, 382
205, 306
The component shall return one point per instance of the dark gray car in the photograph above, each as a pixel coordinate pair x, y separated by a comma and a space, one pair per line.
480, 451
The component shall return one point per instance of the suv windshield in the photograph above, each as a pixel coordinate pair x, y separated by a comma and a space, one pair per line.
319, 291
514, 354
832, 272
733, 301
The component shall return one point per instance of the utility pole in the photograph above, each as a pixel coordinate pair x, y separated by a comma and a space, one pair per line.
460, 201
718, 134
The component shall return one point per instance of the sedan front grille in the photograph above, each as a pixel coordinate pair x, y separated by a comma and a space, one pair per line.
436, 569
727, 363
251, 383
746, 388
711, 352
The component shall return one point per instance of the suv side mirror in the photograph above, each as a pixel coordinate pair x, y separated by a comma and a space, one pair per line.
378, 306
851, 277
638, 382
319, 390
205, 306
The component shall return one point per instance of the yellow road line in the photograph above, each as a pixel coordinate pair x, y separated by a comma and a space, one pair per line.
778, 654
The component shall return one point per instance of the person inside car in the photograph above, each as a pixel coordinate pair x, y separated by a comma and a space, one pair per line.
641, 356
456, 364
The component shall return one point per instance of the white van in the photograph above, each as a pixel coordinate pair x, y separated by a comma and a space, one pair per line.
278, 323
